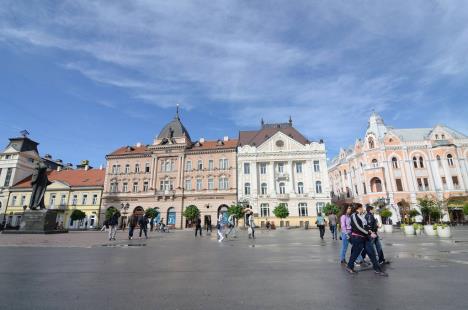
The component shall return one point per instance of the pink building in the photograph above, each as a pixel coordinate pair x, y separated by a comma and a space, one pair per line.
172, 173
401, 164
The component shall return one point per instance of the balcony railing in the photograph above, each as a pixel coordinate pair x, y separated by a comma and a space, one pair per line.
283, 196
165, 193
282, 175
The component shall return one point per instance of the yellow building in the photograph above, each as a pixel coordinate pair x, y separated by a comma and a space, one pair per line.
70, 190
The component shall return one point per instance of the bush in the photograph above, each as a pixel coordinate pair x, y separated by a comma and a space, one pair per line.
414, 213
330, 208
236, 210
110, 211
191, 212
435, 213
465, 209
427, 204
281, 211
77, 215
385, 214
151, 213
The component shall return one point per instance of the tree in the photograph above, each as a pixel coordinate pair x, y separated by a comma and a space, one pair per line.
429, 208
151, 213
385, 214
236, 210
465, 209
331, 208
110, 211
77, 215
191, 212
281, 211
412, 214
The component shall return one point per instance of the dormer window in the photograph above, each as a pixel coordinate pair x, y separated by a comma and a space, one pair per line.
443, 136
437, 137
371, 143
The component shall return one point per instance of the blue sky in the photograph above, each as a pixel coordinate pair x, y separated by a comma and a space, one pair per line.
85, 77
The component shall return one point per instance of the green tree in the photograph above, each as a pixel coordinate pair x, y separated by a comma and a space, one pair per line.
110, 211
385, 214
465, 209
77, 215
330, 208
428, 208
191, 212
281, 211
412, 214
236, 210
151, 213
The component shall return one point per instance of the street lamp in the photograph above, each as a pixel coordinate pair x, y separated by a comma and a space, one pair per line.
124, 207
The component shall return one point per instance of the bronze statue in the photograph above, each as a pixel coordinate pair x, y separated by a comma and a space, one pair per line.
39, 184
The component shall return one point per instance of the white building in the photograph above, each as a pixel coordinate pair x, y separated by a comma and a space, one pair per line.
277, 164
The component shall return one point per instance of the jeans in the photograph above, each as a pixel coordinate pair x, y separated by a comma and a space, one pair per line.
208, 227
130, 231
333, 231
198, 229
144, 229
344, 246
358, 244
322, 230
378, 247
220, 234
112, 231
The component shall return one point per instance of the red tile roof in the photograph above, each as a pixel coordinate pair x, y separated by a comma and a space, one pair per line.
130, 150
214, 145
75, 178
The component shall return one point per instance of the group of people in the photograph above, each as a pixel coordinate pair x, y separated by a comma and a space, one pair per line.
226, 226
133, 222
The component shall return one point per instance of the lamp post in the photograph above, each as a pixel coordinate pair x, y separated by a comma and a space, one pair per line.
124, 207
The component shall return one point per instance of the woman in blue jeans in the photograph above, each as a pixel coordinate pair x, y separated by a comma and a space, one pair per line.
345, 224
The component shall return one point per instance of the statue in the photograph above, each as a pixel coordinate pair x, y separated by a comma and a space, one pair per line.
39, 184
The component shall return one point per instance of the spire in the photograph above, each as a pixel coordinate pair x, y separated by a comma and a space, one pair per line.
290, 120
177, 112
262, 122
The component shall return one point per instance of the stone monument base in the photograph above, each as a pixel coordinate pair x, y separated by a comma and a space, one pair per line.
38, 222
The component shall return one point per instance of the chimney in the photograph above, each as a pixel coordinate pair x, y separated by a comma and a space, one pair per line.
59, 168
202, 140
226, 138
100, 167
48, 156
138, 144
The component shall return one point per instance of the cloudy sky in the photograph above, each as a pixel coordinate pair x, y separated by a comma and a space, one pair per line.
85, 77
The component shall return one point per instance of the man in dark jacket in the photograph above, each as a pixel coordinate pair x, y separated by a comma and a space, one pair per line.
143, 222
374, 227
113, 222
198, 227
361, 236
132, 223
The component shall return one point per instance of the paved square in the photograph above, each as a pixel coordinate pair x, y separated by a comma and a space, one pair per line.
280, 270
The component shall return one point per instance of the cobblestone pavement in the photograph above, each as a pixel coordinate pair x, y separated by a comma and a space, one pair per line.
279, 270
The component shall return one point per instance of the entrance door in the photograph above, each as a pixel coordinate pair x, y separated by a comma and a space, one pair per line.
171, 216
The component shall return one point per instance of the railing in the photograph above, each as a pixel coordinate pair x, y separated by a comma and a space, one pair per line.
165, 193
282, 196
282, 175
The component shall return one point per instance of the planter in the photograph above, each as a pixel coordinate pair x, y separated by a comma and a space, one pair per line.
429, 230
409, 230
418, 231
444, 232
388, 228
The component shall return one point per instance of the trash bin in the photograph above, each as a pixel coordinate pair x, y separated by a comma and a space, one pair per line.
306, 225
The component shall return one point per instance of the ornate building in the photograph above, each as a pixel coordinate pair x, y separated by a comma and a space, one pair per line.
172, 173
401, 164
277, 164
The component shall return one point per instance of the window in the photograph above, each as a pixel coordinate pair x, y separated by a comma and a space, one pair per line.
125, 187
443, 136
449, 160
188, 165
303, 209
282, 188
165, 185
421, 162
399, 185
210, 183
299, 167
200, 164
75, 199
84, 199
371, 143
395, 162
135, 187
167, 166
63, 200
376, 185
223, 164
8, 177
319, 206
247, 188
23, 199
188, 184
137, 168
210, 165
280, 167
300, 188
147, 168
145, 186
444, 182
173, 165
7, 156
199, 184
426, 184
316, 166
364, 188
437, 137
264, 210
356, 190
13, 201
114, 169
318, 187
223, 183
455, 182
246, 168
263, 188
118, 169
375, 163
127, 168
95, 201
415, 162
439, 162
262, 168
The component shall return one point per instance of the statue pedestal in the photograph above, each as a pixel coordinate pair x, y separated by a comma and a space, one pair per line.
38, 222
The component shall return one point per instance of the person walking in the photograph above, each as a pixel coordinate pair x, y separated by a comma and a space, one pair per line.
320, 224
361, 236
374, 226
345, 224
332, 219
152, 224
143, 223
220, 227
113, 222
208, 223
132, 223
251, 224
198, 226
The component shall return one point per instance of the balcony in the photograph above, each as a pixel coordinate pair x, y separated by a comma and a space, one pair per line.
282, 176
282, 196
166, 193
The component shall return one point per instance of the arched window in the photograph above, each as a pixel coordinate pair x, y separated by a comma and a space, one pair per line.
421, 162
415, 162
302, 209
263, 188
282, 188
300, 188
439, 162
318, 187
375, 163
127, 168
264, 210
376, 185
171, 216
137, 168
167, 166
247, 188
371, 143
394, 162
450, 160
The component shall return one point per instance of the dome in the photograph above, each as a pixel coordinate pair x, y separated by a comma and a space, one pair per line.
174, 129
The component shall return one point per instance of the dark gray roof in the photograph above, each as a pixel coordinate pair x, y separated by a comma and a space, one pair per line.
257, 137
23, 144
174, 129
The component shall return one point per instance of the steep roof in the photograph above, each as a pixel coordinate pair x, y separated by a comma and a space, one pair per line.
23, 144
257, 137
130, 150
74, 178
214, 145
174, 129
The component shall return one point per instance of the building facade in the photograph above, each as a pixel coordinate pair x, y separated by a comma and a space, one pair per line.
401, 165
172, 173
69, 190
277, 164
